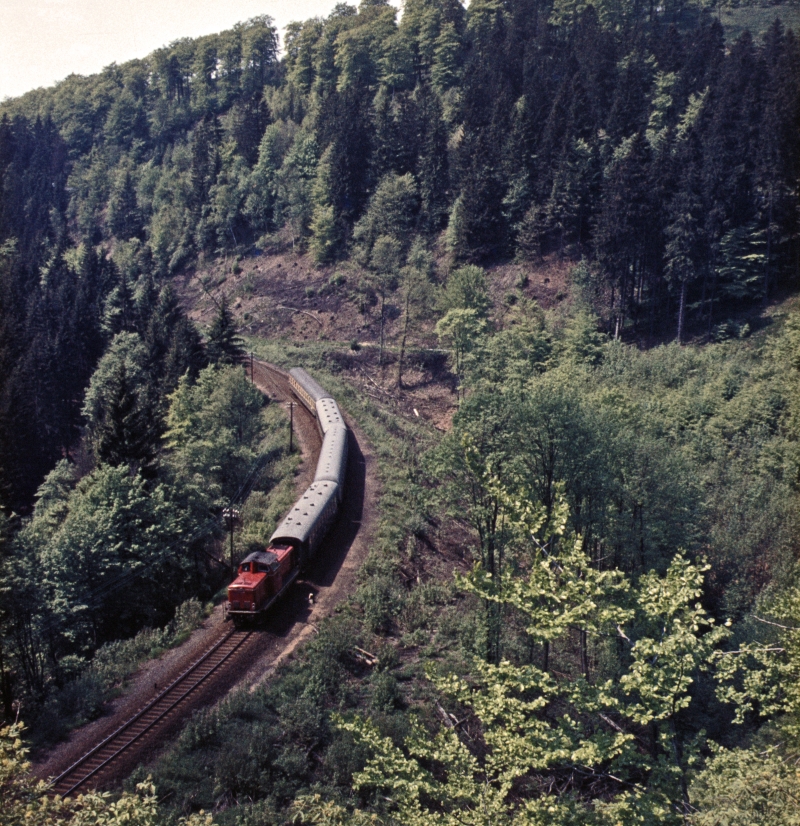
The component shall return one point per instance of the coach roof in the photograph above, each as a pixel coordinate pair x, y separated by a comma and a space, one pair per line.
309, 385
301, 519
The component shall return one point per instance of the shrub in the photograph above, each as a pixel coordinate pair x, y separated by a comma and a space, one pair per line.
384, 691
381, 602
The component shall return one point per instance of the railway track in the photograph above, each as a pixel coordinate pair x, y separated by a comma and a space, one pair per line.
113, 757
149, 718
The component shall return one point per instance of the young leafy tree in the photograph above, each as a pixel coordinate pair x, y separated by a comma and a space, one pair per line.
740, 787
478, 449
466, 290
416, 291
213, 430
573, 722
385, 262
461, 331
513, 356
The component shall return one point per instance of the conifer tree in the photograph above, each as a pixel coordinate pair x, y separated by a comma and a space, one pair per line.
684, 247
223, 344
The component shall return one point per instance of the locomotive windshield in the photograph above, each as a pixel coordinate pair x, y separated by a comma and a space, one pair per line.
261, 562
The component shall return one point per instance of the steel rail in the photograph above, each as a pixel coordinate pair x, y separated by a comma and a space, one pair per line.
238, 638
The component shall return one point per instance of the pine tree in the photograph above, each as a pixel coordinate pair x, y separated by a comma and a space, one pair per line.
432, 162
684, 247
126, 433
123, 215
223, 345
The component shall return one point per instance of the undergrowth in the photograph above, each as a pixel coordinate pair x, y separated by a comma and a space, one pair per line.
83, 698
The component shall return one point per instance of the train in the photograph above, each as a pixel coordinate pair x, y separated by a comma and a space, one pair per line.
264, 576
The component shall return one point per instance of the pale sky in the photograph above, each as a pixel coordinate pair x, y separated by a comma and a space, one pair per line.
43, 41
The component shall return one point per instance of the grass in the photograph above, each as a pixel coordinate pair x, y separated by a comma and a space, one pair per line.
758, 19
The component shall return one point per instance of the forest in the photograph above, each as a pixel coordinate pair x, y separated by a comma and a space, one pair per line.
584, 593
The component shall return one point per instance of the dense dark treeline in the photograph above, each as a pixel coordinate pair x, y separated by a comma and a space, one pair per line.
47, 308
637, 140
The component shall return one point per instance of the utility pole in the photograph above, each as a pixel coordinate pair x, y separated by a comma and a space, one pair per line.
291, 425
230, 514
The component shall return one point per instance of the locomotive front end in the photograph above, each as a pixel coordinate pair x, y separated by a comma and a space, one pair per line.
262, 577
248, 593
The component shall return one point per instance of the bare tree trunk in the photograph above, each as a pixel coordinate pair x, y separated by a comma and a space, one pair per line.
677, 755
383, 316
403, 346
681, 312
769, 250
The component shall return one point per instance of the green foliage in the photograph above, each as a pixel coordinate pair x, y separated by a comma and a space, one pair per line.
582, 343
381, 601
460, 330
417, 294
533, 721
86, 685
113, 526
214, 427
120, 405
258, 744
26, 800
740, 787
296, 180
466, 290
223, 344
390, 212
743, 260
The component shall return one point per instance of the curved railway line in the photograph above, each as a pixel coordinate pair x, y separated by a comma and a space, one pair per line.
148, 717
144, 721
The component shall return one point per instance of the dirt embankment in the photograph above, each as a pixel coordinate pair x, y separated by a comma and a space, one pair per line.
283, 294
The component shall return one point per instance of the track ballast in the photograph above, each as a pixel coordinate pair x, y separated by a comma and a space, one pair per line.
155, 714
